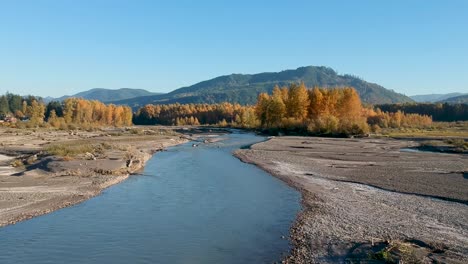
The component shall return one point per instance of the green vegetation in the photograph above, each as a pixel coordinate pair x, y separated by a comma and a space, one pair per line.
244, 88
382, 255
195, 114
451, 145
72, 149
401, 252
16, 105
462, 99
459, 144
69, 150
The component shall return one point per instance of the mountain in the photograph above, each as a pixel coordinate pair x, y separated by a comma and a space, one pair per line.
109, 95
461, 99
431, 98
244, 88
48, 99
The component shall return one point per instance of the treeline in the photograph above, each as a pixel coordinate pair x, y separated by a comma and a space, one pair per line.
71, 112
317, 110
378, 119
440, 112
16, 105
293, 109
87, 112
197, 114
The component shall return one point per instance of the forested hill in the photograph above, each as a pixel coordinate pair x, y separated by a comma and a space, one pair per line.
244, 88
108, 95
462, 99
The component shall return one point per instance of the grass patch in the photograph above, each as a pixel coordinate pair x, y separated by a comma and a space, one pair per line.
438, 129
458, 143
432, 143
400, 252
450, 145
383, 255
69, 150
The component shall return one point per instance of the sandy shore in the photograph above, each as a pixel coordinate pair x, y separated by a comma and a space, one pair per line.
363, 195
47, 183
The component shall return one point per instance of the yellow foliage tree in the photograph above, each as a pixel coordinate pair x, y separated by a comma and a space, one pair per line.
298, 102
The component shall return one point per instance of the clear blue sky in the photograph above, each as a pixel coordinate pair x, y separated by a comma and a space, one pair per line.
66, 46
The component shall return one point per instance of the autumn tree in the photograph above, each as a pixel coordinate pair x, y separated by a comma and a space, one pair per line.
439, 111
315, 103
276, 109
94, 113
24, 108
68, 110
36, 113
297, 102
261, 108
54, 120
335, 111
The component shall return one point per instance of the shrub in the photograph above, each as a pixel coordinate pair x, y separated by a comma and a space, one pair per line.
69, 150
458, 143
136, 131
17, 163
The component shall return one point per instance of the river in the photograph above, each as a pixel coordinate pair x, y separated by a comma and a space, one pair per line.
190, 205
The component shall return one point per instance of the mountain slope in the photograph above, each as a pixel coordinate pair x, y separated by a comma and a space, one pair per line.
431, 98
244, 88
462, 99
109, 95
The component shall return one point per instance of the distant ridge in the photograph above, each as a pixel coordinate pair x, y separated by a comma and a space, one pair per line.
431, 98
462, 99
108, 95
244, 88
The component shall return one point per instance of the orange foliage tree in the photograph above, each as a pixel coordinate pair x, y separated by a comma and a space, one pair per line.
336, 111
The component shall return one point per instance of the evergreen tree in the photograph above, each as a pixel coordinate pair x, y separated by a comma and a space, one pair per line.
4, 106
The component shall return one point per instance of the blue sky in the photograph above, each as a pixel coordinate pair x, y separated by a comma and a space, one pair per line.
52, 48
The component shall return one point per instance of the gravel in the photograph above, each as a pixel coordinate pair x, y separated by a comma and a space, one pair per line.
360, 191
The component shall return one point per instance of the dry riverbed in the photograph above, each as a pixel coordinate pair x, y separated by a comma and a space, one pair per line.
365, 200
54, 169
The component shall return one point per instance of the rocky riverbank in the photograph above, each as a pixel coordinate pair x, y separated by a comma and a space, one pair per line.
45, 170
365, 200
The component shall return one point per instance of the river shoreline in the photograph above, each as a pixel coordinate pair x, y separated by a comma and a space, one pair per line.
191, 203
47, 183
360, 196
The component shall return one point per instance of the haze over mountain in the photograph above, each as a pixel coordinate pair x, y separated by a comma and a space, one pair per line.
244, 88
107, 95
431, 98
461, 99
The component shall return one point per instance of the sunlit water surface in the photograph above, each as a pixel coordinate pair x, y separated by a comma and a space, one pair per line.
190, 205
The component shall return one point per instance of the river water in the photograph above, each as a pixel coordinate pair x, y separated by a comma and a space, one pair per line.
190, 205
